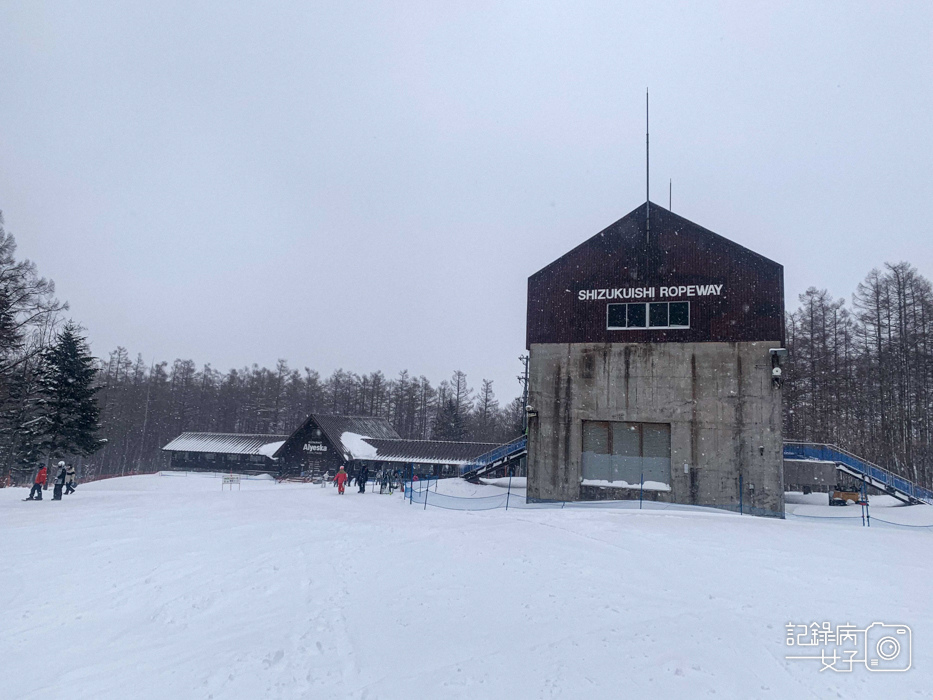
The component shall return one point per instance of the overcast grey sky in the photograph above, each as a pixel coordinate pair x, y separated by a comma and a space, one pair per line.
369, 185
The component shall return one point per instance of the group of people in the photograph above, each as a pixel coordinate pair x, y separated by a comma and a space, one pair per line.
387, 479
341, 478
64, 480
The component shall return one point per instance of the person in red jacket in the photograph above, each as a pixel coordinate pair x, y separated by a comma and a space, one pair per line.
41, 477
341, 480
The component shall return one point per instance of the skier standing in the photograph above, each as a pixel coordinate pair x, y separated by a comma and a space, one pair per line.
70, 481
341, 480
42, 477
59, 481
362, 477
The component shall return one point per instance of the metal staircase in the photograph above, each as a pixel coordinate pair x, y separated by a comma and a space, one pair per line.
492, 460
861, 469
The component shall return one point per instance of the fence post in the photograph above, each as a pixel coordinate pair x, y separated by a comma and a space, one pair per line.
864, 500
411, 483
641, 490
509, 492
426, 492
867, 512
741, 489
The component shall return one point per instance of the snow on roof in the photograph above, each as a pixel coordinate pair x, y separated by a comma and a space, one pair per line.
427, 451
371, 426
357, 446
407, 451
224, 443
271, 448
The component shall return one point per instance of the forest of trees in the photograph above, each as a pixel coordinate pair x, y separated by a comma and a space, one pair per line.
143, 407
860, 377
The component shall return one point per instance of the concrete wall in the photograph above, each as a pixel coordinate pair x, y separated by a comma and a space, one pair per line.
805, 472
717, 397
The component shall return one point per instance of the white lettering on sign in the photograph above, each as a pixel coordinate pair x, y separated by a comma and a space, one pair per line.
692, 290
314, 447
673, 292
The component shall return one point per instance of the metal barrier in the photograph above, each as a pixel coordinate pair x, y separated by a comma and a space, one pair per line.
856, 466
501, 452
422, 495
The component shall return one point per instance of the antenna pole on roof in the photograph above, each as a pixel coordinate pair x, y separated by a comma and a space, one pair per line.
670, 194
647, 175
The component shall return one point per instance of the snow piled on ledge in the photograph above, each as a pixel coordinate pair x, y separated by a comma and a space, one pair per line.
271, 448
647, 486
357, 446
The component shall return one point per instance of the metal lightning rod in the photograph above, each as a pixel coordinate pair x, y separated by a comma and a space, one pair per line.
647, 175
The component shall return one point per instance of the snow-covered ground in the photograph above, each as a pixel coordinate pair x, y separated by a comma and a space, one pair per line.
168, 587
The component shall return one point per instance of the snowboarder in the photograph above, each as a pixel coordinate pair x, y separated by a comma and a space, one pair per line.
70, 481
362, 477
340, 480
41, 478
60, 481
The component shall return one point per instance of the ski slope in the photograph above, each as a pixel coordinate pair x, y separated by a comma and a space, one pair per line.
168, 587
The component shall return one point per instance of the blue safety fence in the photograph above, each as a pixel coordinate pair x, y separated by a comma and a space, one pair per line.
858, 520
888, 522
425, 494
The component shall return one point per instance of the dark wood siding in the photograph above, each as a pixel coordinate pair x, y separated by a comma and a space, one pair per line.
309, 449
677, 253
220, 462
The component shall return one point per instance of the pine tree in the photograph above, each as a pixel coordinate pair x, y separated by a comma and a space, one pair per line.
449, 423
485, 414
69, 414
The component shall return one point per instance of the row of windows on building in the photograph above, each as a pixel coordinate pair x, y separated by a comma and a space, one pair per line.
214, 457
630, 452
661, 314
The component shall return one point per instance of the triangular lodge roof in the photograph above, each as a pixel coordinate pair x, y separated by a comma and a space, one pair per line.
334, 427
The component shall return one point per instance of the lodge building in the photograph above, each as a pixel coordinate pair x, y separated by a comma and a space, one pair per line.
240, 453
653, 348
320, 446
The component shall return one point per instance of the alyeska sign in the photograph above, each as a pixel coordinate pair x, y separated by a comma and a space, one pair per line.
684, 290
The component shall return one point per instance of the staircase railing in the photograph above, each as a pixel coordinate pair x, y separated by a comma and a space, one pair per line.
495, 455
831, 453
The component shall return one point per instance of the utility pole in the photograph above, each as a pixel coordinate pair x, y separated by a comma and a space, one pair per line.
523, 379
647, 175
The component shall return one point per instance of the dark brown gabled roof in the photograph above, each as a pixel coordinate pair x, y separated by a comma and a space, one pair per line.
428, 451
623, 259
370, 426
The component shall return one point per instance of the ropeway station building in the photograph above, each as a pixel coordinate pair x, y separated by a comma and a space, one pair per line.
654, 372
653, 347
